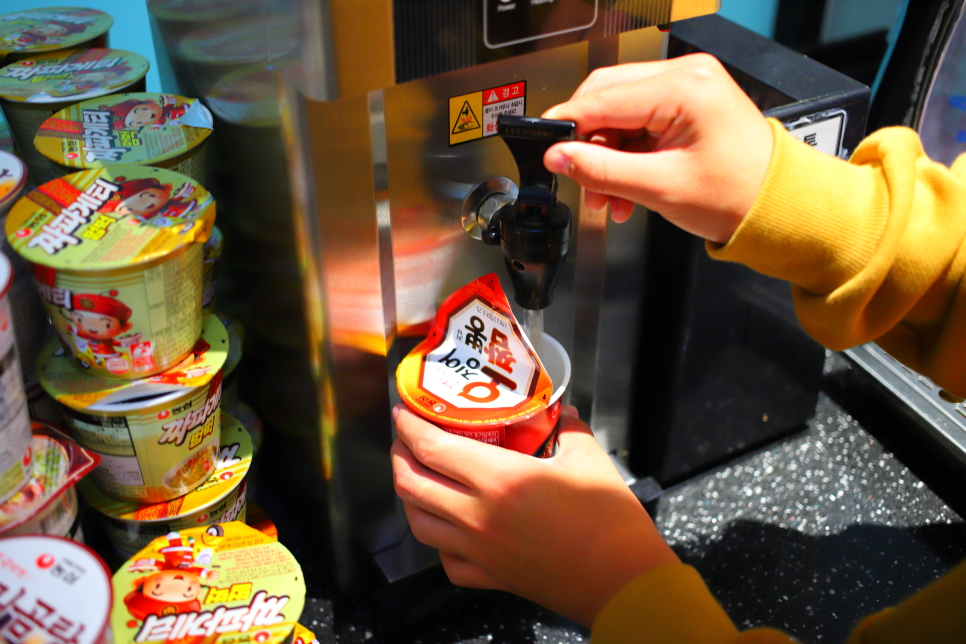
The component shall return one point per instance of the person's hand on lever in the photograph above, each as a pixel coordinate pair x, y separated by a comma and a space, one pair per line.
677, 136
565, 532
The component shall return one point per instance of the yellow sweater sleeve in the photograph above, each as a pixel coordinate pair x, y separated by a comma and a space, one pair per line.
873, 247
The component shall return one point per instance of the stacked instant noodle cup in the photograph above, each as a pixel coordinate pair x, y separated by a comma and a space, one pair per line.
136, 368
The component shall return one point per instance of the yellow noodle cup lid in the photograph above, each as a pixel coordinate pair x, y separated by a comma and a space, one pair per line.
82, 389
226, 582
231, 465
72, 75
144, 128
109, 218
40, 30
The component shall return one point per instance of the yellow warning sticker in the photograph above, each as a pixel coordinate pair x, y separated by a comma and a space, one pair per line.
473, 116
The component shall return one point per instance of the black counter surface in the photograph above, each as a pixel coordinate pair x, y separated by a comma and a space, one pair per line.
807, 535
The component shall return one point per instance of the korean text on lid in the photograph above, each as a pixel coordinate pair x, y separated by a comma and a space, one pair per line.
223, 583
143, 128
45, 575
36, 31
117, 257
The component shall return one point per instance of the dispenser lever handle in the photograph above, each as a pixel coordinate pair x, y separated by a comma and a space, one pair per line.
529, 138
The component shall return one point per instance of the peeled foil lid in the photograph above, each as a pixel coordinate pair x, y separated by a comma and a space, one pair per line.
38, 30
72, 75
47, 575
302, 635
237, 584
110, 218
83, 390
13, 178
140, 127
231, 465
59, 463
242, 41
214, 246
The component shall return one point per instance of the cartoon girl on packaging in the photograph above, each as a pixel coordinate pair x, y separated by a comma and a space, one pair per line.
136, 113
47, 32
154, 203
96, 323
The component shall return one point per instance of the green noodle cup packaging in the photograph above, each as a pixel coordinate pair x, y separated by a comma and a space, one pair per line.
16, 457
477, 375
158, 437
53, 590
117, 259
24, 34
227, 583
221, 498
47, 504
160, 130
6, 138
33, 89
30, 319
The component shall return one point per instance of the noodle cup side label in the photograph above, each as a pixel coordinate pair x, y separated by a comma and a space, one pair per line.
476, 367
37, 30
223, 583
76, 74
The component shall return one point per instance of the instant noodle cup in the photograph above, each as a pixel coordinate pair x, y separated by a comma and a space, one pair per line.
247, 416
224, 583
209, 276
302, 635
30, 319
158, 437
54, 590
117, 258
16, 457
236, 335
6, 138
221, 498
477, 375
160, 130
47, 504
33, 89
43, 31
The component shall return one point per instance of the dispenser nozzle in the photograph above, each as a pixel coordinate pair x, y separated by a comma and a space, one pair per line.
533, 231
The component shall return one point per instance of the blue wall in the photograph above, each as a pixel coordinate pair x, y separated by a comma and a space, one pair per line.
757, 15
131, 30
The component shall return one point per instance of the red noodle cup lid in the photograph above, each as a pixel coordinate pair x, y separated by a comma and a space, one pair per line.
109, 218
72, 75
59, 463
476, 367
43, 577
223, 583
144, 128
40, 30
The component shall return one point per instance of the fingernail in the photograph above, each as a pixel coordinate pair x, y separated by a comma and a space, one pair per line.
570, 410
396, 410
557, 161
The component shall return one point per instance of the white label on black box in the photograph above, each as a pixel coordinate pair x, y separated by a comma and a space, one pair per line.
821, 131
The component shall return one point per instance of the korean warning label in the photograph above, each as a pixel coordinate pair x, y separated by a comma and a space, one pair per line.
473, 116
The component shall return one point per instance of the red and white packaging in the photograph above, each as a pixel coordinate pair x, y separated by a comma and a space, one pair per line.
477, 375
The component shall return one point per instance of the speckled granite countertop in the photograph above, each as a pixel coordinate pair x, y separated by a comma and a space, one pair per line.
807, 535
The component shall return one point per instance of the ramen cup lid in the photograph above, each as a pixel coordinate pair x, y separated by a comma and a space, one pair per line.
13, 177
144, 128
49, 574
231, 465
85, 391
249, 95
39, 30
201, 11
72, 75
59, 463
236, 338
109, 218
214, 246
242, 583
241, 41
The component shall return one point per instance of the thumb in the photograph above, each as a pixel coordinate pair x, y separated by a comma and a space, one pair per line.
573, 433
641, 177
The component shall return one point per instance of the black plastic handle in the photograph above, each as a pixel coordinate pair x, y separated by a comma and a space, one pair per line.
529, 138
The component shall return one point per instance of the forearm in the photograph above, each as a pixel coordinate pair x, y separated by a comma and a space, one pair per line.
874, 247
